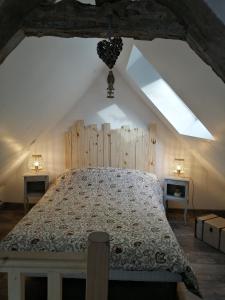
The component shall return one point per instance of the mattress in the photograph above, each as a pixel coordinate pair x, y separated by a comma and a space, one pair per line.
127, 204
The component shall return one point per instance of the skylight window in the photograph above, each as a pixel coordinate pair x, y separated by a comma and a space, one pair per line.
164, 98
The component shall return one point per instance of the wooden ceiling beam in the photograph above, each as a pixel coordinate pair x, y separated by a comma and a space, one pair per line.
190, 20
205, 31
12, 14
140, 20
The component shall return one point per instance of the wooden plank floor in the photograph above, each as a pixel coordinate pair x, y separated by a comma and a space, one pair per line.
208, 263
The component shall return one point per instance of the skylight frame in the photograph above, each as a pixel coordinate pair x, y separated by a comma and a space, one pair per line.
164, 98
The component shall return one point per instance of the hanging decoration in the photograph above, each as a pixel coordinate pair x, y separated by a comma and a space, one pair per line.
108, 51
110, 88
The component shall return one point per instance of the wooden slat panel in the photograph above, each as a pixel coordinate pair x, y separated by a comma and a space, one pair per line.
74, 154
86, 147
152, 147
106, 145
146, 152
69, 141
116, 148
80, 143
100, 158
140, 159
120, 148
124, 147
136, 161
93, 144
131, 138
66, 150
128, 148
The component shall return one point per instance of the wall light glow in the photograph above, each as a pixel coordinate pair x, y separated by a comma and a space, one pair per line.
115, 116
11, 143
13, 164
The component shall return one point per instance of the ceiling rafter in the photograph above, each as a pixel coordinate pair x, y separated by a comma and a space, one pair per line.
12, 14
190, 20
205, 32
70, 18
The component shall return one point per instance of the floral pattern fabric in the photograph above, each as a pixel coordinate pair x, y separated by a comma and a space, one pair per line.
127, 204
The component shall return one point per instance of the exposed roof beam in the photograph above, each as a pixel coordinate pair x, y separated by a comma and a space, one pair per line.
190, 20
205, 31
140, 20
12, 13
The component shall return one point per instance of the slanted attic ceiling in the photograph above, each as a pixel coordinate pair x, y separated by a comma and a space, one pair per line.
42, 78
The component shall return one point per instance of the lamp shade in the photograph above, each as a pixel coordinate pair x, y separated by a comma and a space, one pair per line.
36, 162
178, 166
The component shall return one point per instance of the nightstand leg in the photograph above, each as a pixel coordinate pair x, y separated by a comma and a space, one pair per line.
16, 285
26, 204
185, 214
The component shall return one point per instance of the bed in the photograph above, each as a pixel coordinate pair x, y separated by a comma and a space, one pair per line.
125, 203
109, 187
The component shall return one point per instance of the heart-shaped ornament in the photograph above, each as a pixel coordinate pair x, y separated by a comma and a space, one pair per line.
109, 50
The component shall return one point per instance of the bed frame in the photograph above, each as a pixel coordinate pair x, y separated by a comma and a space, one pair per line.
55, 266
85, 146
94, 266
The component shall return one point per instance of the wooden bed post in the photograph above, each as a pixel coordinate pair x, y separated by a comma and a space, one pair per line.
54, 286
16, 285
97, 266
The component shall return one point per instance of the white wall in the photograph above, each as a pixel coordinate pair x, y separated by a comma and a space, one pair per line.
208, 191
39, 82
2, 194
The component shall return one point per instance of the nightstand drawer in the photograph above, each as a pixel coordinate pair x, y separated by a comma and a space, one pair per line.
177, 182
36, 187
36, 178
212, 231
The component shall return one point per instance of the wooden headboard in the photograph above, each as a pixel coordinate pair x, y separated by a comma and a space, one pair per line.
87, 146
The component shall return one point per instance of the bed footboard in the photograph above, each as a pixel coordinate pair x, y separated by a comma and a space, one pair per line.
56, 266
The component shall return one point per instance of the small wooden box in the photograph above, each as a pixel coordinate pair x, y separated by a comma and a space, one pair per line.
212, 231
222, 240
199, 225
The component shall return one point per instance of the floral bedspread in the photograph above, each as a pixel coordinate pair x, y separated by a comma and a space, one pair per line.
125, 203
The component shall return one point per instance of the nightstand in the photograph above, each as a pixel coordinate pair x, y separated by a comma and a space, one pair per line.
177, 189
35, 185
